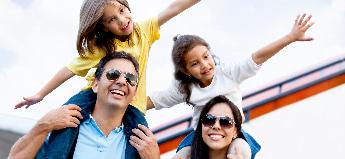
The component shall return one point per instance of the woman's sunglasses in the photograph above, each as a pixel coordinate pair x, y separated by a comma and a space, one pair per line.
113, 75
225, 122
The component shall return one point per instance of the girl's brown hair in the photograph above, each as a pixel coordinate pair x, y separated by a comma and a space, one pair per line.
91, 33
182, 45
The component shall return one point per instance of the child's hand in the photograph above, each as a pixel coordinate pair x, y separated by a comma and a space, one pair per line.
301, 25
28, 101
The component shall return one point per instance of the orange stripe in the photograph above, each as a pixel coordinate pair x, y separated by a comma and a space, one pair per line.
170, 145
297, 96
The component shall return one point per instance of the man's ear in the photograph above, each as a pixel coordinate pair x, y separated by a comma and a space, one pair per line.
135, 94
94, 86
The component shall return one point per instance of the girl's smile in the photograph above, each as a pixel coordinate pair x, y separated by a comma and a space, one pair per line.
200, 64
117, 19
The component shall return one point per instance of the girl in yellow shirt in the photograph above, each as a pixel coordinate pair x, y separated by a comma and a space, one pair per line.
106, 26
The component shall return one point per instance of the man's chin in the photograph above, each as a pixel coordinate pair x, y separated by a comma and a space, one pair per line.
119, 104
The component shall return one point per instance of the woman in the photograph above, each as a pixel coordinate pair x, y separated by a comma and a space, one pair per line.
219, 124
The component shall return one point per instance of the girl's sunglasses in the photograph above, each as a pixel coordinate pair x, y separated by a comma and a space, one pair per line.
113, 75
225, 122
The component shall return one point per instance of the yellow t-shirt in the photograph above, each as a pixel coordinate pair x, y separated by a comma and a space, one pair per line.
139, 45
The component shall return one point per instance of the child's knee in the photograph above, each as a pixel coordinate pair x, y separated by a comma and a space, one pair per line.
183, 153
242, 145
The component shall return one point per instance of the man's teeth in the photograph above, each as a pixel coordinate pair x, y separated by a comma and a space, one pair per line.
125, 27
117, 92
216, 137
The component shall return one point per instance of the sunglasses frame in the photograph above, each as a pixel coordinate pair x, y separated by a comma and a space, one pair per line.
114, 74
229, 122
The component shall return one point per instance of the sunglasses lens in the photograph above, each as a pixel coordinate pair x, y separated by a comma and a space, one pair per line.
209, 120
131, 79
113, 74
225, 122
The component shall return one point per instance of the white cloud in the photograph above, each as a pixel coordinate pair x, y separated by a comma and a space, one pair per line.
23, 3
42, 38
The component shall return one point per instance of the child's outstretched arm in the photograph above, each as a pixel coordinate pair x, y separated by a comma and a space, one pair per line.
174, 9
60, 77
297, 33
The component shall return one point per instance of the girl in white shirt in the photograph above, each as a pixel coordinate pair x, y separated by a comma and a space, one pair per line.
199, 79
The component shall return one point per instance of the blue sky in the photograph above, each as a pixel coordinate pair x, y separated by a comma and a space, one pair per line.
7, 59
41, 35
23, 3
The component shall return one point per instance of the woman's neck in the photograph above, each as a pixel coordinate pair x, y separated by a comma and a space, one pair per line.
217, 154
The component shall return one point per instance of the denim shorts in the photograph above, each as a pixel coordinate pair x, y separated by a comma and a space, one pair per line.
254, 145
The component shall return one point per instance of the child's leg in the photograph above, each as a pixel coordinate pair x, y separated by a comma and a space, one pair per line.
254, 145
187, 141
184, 148
183, 153
242, 145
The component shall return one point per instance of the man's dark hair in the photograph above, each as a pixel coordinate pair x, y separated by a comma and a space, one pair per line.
112, 56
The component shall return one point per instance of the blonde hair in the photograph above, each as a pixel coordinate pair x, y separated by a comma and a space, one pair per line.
90, 26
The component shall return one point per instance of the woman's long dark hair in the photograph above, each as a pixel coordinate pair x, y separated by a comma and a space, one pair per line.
182, 45
199, 148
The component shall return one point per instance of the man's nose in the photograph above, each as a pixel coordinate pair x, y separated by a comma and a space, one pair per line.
121, 81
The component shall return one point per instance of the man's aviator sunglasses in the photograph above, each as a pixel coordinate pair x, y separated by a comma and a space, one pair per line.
113, 75
225, 122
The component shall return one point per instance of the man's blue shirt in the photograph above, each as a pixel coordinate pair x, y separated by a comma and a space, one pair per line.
93, 143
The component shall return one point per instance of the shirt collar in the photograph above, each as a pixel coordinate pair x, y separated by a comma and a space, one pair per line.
93, 122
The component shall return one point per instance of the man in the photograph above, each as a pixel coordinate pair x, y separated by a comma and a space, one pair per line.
106, 132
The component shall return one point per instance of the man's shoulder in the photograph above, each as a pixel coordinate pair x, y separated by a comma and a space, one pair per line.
133, 116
